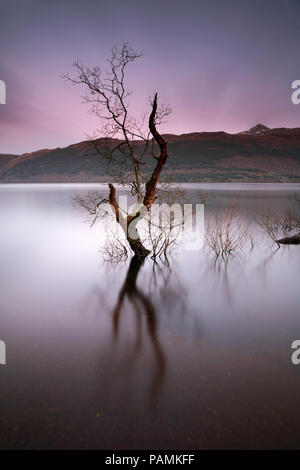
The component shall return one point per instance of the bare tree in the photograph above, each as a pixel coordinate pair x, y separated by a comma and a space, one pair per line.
226, 232
278, 226
126, 140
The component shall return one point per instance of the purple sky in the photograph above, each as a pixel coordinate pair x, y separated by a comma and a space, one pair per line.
221, 65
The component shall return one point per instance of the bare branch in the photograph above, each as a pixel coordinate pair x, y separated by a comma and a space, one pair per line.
161, 160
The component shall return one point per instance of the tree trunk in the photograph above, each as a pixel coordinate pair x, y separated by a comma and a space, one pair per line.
293, 240
138, 248
161, 160
135, 243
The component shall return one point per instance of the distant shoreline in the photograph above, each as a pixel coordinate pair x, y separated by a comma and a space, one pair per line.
187, 184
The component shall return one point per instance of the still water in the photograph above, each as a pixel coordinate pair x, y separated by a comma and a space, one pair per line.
197, 355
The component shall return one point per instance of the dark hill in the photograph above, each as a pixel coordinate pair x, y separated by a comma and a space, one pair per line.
260, 154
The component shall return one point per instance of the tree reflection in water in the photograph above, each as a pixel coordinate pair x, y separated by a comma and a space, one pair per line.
142, 305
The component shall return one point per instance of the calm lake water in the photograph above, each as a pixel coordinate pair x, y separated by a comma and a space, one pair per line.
197, 357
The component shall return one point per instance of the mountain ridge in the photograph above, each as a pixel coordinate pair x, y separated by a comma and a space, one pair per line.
259, 154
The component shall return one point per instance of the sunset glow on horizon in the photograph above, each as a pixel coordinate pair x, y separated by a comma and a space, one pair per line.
217, 70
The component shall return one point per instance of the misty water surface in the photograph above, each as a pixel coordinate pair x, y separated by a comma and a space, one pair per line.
198, 355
